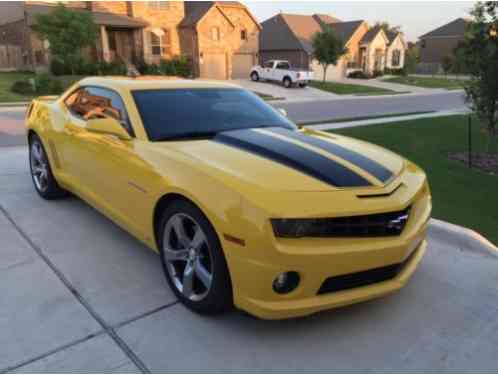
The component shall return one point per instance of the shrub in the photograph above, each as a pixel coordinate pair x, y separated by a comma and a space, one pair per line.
377, 73
23, 88
111, 68
47, 85
359, 74
395, 71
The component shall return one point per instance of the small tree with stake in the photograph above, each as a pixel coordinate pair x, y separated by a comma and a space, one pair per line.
327, 48
68, 32
481, 60
446, 64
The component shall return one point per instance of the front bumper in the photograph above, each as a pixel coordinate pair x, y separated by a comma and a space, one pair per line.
317, 259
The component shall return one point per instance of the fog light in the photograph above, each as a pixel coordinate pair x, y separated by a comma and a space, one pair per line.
286, 282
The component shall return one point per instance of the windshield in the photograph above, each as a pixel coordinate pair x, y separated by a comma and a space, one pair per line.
170, 114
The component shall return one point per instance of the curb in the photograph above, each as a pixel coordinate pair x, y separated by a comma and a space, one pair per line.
461, 237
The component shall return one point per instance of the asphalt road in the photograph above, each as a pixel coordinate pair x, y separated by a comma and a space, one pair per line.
364, 106
78, 294
12, 131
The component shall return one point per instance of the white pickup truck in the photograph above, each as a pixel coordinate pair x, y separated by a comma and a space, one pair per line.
281, 71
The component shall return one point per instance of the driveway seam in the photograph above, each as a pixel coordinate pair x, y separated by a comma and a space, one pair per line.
51, 352
108, 329
144, 315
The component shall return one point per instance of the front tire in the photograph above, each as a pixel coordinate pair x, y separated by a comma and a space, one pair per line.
41, 172
193, 260
287, 82
254, 77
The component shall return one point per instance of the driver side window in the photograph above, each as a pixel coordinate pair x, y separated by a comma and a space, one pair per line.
96, 102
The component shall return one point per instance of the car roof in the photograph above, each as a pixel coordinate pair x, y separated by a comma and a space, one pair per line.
152, 82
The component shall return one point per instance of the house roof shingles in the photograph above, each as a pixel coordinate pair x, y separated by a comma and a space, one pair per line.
454, 28
292, 31
195, 10
100, 18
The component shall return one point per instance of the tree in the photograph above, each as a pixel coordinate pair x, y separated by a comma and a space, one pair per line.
447, 64
481, 55
384, 25
412, 58
327, 48
67, 32
459, 66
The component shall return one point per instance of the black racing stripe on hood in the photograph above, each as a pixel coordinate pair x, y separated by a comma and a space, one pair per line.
291, 155
371, 166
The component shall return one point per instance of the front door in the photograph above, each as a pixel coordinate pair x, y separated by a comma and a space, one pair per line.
105, 169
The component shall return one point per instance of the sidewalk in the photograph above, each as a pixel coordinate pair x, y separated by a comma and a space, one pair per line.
375, 82
384, 120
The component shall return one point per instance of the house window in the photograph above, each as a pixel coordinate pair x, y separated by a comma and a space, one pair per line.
160, 42
158, 5
396, 58
243, 34
215, 33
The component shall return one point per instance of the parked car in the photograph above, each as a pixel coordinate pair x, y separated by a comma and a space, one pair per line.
281, 71
243, 207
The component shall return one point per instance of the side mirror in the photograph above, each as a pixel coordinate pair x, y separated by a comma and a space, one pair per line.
107, 126
282, 111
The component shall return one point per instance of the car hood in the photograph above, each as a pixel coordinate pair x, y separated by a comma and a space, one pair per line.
282, 160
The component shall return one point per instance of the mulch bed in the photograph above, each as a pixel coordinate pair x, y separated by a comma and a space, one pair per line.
483, 161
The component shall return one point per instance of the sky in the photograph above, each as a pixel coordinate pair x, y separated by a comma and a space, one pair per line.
415, 17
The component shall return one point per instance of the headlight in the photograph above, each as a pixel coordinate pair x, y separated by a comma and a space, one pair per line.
294, 228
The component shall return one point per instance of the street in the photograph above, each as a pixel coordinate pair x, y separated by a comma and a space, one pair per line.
78, 294
365, 106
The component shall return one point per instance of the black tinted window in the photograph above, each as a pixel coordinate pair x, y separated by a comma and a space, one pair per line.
268, 64
176, 113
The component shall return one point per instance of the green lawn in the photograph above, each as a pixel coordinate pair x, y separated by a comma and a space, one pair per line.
267, 97
6, 81
349, 89
463, 196
8, 78
428, 82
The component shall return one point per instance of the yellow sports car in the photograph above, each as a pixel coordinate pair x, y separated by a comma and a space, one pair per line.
243, 207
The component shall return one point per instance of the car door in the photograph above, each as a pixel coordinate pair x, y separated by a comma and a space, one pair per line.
281, 69
108, 169
267, 70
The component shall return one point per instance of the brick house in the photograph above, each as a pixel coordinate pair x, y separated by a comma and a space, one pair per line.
149, 30
222, 37
289, 36
440, 42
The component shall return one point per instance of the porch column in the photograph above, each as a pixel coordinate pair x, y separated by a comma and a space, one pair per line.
106, 55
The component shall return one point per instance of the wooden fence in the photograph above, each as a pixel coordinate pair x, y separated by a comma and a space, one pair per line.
10, 57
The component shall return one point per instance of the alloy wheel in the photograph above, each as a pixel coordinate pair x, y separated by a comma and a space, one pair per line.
39, 166
187, 256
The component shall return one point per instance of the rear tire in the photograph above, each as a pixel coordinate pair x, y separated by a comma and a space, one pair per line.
254, 76
303, 85
41, 172
193, 260
287, 82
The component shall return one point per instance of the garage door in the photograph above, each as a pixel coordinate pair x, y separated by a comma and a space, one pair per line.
241, 65
334, 72
214, 66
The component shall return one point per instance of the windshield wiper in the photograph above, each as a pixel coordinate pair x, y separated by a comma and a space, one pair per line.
187, 135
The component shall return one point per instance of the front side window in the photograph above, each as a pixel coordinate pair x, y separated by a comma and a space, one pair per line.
268, 64
283, 65
95, 102
198, 112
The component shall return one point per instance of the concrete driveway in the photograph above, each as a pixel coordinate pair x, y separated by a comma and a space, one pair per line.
294, 94
78, 294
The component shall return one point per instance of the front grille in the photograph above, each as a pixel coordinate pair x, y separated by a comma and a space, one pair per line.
363, 278
376, 225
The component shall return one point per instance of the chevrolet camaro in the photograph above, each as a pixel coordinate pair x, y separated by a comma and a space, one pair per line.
243, 207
